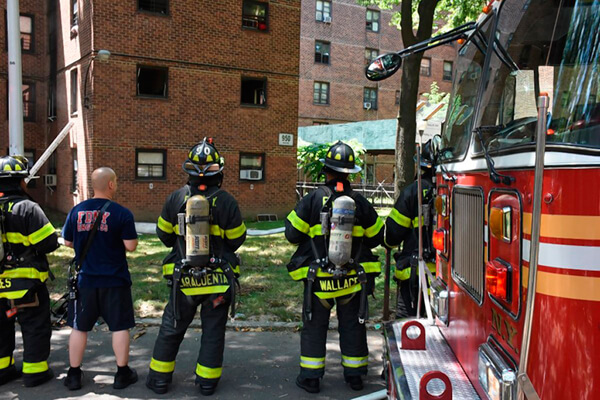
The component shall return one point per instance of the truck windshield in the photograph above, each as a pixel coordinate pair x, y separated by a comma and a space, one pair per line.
556, 47
469, 66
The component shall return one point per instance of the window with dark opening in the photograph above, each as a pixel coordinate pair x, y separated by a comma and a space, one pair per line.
252, 167
254, 91
254, 15
74, 90
373, 20
426, 66
320, 123
370, 98
447, 71
152, 81
397, 101
150, 164
28, 89
322, 52
26, 30
370, 55
321, 93
155, 6
323, 12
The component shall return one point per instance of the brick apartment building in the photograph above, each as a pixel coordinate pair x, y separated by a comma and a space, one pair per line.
178, 71
336, 40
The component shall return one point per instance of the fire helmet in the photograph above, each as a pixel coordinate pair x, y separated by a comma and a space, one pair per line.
427, 156
203, 160
13, 167
340, 158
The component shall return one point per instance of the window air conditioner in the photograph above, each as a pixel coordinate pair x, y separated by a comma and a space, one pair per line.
251, 174
50, 180
367, 105
327, 20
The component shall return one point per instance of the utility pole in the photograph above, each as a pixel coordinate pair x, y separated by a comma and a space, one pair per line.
15, 79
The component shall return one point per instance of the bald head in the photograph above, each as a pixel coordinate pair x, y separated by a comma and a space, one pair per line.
101, 179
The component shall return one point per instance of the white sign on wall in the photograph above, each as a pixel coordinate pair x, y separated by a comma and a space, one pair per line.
286, 139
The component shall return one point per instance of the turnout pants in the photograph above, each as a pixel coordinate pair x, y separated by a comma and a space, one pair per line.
213, 314
36, 329
353, 337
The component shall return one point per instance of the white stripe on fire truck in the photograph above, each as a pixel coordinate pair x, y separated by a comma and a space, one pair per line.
586, 258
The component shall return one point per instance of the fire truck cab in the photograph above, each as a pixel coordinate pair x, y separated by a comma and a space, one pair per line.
527, 69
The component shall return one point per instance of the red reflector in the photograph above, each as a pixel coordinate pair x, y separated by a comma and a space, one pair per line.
497, 279
439, 240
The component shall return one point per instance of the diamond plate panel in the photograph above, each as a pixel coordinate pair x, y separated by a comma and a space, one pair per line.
437, 357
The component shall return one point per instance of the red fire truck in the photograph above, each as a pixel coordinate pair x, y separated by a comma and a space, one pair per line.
516, 296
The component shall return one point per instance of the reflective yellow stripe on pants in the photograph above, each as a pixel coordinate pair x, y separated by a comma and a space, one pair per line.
207, 372
35, 368
165, 367
312, 362
6, 362
355, 362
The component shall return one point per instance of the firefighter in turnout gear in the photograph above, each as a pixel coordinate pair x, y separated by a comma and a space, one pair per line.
402, 226
27, 236
208, 280
326, 224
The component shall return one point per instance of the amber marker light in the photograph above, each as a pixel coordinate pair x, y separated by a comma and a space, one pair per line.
441, 204
500, 223
461, 41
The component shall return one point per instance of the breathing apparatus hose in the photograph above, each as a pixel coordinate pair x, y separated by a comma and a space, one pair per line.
311, 275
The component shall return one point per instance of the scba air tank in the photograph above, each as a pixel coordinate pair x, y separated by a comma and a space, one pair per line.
197, 231
342, 222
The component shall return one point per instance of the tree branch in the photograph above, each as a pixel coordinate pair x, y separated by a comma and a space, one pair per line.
426, 12
406, 23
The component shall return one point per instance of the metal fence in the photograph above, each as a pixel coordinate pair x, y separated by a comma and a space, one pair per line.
380, 195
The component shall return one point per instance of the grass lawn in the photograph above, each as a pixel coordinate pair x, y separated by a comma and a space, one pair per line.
267, 291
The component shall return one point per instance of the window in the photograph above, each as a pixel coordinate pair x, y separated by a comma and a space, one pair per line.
397, 101
28, 101
370, 55
150, 164
321, 93
252, 167
370, 98
447, 71
426, 66
322, 52
323, 11
75, 179
152, 81
74, 90
155, 6
254, 15
26, 28
74, 13
320, 123
254, 91
373, 20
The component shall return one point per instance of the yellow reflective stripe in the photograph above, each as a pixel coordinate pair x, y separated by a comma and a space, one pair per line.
235, 232
338, 293
369, 267
374, 229
24, 273
207, 372
298, 222
165, 225
358, 231
176, 229
355, 362
41, 233
162, 366
168, 269
315, 230
403, 274
215, 230
205, 290
415, 222
16, 238
17, 294
431, 267
35, 368
236, 269
6, 362
400, 219
312, 362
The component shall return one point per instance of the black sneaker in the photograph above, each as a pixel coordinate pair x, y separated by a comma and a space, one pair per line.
9, 374
31, 380
355, 382
125, 378
311, 385
73, 379
158, 386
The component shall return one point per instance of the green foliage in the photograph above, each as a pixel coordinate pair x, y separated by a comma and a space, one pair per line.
309, 158
435, 96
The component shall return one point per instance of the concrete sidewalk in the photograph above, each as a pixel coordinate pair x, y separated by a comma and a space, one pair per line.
258, 365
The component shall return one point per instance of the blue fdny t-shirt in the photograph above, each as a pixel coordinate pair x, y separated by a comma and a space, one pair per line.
105, 264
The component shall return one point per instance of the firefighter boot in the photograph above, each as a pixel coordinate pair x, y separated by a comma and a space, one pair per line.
206, 389
36, 379
158, 386
9, 374
311, 385
355, 382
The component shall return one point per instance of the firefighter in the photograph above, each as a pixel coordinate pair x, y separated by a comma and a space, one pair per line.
402, 226
307, 226
212, 289
27, 237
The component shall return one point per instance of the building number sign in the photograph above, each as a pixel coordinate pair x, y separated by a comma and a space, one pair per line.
286, 139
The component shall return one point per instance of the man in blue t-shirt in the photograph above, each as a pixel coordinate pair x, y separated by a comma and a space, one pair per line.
104, 285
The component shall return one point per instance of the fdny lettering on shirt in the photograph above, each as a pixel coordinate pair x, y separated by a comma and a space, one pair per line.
212, 279
86, 219
333, 285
